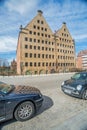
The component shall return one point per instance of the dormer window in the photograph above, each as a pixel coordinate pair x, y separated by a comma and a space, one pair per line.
42, 22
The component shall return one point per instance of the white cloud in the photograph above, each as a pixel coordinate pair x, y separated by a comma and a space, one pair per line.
22, 6
80, 37
20, 12
71, 12
8, 44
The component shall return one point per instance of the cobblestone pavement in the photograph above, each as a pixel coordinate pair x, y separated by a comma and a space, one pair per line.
58, 112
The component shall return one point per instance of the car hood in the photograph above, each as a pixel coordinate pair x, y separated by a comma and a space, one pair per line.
26, 90
73, 82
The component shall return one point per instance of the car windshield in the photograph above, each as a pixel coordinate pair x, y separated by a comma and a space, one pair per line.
5, 88
79, 76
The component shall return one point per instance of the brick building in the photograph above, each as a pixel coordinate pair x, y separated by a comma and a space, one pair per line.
39, 50
81, 61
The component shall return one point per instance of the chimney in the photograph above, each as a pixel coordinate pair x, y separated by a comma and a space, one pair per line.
64, 22
40, 12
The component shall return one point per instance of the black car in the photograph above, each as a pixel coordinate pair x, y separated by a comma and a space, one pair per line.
76, 86
19, 102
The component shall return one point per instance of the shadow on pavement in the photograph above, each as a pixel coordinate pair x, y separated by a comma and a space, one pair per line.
47, 103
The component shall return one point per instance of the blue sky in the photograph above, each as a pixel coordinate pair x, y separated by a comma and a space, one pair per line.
14, 13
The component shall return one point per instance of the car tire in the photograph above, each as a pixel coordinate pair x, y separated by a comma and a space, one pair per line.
84, 95
24, 111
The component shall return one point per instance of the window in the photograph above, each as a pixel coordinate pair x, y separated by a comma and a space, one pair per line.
35, 55
52, 49
64, 29
53, 56
35, 47
38, 63
38, 55
34, 33
30, 32
42, 34
42, 22
34, 40
53, 64
49, 49
45, 29
49, 56
26, 38
49, 36
30, 54
42, 28
46, 42
46, 64
64, 34
38, 34
42, 55
30, 39
38, 47
52, 43
45, 35
38, 27
46, 48
42, 48
50, 64
46, 56
26, 63
34, 27
38, 41
42, 41
43, 64
35, 64
26, 46
30, 46
30, 63
38, 21
26, 54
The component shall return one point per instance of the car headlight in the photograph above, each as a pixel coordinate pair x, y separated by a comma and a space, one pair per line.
40, 95
79, 87
62, 83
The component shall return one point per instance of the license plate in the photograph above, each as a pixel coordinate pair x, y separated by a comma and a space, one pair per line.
67, 91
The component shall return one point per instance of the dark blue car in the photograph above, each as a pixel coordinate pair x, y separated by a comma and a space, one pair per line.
19, 102
76, 86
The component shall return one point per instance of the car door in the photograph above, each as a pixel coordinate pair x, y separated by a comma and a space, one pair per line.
2, 107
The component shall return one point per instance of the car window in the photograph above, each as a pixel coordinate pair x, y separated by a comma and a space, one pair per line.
5, 88
76, 76
80, 76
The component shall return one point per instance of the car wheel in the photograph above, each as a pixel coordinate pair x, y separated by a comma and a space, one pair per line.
84, 95
24, 111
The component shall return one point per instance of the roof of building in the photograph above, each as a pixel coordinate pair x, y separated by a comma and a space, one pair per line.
81, 53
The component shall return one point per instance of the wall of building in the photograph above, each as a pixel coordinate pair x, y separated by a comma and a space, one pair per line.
39, 51
81, 61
